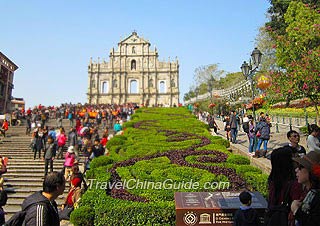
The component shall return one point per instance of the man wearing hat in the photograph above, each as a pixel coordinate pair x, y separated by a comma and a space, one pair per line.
307, 209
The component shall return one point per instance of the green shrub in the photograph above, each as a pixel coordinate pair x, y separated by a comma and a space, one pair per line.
100, 161
82, 216
161, 130
242, 169
304, 130
121, 212
258, 182
238, 159
116, 140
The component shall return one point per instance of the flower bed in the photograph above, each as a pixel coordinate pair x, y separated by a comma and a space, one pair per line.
163, 149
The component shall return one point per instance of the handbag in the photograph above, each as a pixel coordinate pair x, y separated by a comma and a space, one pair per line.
258, 134
278, 215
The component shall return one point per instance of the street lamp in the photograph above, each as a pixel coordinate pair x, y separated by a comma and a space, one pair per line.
248, 71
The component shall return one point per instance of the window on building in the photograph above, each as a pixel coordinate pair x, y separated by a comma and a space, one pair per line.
133, 86
133, 65
105, 87
162, 87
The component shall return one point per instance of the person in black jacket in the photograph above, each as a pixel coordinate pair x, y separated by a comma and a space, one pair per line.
246, 216
41, 206
49, 154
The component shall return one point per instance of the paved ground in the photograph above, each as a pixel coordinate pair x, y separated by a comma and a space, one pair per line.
276, 140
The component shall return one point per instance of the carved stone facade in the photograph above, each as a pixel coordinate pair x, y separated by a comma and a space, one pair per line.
7, 69
133, 74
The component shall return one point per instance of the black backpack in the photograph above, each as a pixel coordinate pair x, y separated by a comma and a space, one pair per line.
3, 197
18, 218
245, 127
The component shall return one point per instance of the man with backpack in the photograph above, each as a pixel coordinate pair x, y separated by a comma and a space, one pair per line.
40, 208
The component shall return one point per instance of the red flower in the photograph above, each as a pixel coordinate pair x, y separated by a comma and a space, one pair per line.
305, 86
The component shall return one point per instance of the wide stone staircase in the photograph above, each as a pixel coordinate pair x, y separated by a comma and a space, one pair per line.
24, 175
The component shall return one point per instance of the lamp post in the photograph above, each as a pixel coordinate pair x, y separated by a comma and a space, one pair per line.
249, 70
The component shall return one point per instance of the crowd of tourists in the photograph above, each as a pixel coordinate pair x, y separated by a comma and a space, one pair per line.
258, 133
90, 127
294, 181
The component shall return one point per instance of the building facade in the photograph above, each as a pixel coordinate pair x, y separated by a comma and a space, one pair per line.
7, 69
134, 74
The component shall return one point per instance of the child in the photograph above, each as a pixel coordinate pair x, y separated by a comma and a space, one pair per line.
246, 216
70, 160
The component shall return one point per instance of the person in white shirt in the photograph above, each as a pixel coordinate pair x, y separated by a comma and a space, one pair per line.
313, 142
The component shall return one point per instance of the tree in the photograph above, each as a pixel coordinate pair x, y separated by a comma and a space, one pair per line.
265, 43
203, 74
277, 24
298, 52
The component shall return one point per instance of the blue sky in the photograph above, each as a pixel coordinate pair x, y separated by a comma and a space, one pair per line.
52, 41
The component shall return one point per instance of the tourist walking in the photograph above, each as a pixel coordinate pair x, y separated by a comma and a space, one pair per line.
69, 161
61, 141
227, 128
4, 127
49, 154
251, 135
262, 131
37, 142
233, 126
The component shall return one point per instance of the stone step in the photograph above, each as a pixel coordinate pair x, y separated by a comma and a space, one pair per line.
19, 201
25, 175
12, 168
37, 184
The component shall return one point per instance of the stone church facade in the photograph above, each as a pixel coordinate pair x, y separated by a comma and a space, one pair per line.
134, 74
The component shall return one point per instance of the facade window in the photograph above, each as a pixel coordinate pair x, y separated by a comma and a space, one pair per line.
105, 87
162, 87
115, 83
133, 65
133, 86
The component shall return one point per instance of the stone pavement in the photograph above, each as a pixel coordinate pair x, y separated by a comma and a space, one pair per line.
276, 140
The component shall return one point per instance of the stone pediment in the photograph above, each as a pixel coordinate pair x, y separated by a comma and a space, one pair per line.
134, 39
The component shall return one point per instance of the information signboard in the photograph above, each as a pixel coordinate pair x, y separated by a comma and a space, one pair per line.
212, 208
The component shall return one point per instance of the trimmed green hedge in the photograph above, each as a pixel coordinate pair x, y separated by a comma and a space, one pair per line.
149, 151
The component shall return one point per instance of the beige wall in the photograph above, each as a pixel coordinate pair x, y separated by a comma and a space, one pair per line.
134, 60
